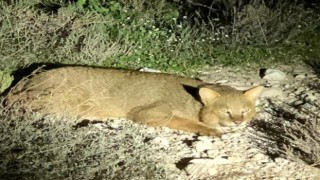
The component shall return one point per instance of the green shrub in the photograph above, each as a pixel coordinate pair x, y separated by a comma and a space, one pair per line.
170, 36
5, 80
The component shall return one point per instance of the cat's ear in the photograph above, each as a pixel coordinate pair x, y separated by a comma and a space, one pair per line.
253, 93
208, 95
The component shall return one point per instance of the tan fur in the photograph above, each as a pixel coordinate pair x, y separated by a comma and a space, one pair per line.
151, 98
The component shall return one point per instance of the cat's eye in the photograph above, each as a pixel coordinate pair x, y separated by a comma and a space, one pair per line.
245, 111
228, 112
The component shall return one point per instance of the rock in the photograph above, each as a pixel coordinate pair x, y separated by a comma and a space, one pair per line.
311, 96
286, 86
200, 168
236, 159
203, 145
223, 81
261, 158
145, 69
274, 75
162, 142
273, 92
211, 162
300, 90
300, 76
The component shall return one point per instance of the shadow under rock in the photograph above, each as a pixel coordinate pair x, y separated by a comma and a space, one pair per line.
314, 64
287, 134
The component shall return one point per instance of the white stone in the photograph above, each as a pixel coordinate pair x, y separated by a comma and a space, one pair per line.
213, 152
312, 96
223, 81
220, 160
287, 86
261, 158
218, 142
275, 75
300, 90
211, 162
161, 141
273, 92
206, 138
236, 159
252, 151
200, 168
203, 145
298, 102
212, 171
300, 76
145, 69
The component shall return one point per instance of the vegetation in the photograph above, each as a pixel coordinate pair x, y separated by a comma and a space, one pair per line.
293, 131
36, 147
178, 36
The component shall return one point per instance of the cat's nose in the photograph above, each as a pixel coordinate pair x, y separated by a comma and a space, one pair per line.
238, 121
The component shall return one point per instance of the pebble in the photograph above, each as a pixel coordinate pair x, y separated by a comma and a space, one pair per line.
300, 90
300, 76
286, 86
145, 69
203, 145
311, 96
223, 81
162, 142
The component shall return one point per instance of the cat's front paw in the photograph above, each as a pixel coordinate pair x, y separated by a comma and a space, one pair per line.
211, 132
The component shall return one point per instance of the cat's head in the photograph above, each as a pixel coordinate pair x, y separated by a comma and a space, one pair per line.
232, 108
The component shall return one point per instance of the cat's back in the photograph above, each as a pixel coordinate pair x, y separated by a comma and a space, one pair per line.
109, 75
99, 89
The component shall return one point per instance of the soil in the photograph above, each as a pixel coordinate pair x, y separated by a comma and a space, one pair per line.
267, 148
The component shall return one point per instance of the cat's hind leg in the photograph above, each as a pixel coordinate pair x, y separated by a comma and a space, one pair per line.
160, 114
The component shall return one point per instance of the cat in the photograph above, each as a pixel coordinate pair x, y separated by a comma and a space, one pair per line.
154, 99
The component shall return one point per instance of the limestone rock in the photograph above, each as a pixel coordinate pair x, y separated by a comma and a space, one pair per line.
201, 168
145, 69
300, 76
274, 75
222, 81
273, 92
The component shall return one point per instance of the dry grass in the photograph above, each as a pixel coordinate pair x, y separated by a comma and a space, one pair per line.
136, 33
65, 37
291, 130
36, 147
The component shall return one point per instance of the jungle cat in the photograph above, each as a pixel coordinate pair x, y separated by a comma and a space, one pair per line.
154, 99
